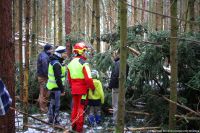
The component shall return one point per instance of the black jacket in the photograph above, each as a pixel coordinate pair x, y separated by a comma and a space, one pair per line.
114, 81
57, 72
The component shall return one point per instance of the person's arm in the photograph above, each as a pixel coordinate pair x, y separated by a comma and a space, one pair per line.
88, 77
45, 65
100, 89
69, 78
5, 99
58, 76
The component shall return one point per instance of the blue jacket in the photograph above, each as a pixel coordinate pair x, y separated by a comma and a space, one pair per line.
5, 99
42, 64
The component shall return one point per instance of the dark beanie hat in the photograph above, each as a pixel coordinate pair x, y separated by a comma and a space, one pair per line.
47, 47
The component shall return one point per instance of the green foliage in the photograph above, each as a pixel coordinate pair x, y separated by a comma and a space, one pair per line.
147, 77
102, 61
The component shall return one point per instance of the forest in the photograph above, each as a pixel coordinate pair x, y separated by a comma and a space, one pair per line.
158, 39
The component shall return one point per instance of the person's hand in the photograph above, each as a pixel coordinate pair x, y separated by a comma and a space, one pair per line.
62, 94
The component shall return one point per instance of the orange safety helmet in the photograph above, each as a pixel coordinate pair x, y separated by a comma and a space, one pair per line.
79, 48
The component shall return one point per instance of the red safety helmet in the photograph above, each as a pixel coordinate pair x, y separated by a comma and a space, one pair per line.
79, 48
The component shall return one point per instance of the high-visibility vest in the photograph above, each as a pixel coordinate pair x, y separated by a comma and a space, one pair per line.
51, 83
76, 66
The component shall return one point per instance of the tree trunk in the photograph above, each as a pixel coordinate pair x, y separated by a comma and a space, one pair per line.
122, 72
105, 13
60, 22
191, 14
97, 26
37, 22
159, 19
7, 63
55, 24
50, 13
79, 17
166, 4
46, 20
173, 60
26, 71
83, 24
143, 7
21, 75
68, 25
93, 22
88, 16
34, 30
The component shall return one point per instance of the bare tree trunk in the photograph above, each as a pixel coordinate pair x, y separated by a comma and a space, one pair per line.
55, 24
143, 7
34, 30
83, 23
191, 14
26, 71
60, 22
166, 4
93, 21
79, 17
159, 19
50, 18
122, 72
7, 63
21, 75
173, 60
37, 22
88, 16
97, 25
68, 25
46, 20
105, 15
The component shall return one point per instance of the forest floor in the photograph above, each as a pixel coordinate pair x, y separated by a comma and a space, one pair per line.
36, 126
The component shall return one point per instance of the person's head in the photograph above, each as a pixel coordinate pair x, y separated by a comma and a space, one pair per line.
61, 52
116, 54
48, 48
95, 74
80, 49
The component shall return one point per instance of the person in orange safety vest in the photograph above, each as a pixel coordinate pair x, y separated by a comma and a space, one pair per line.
80, 80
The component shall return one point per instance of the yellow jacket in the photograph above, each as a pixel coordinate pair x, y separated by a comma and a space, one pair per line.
98, 92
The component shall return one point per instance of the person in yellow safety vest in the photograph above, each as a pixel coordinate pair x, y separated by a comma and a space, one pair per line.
55, 83
95, 99
80, 80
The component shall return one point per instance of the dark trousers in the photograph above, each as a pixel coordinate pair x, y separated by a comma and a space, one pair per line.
54, 106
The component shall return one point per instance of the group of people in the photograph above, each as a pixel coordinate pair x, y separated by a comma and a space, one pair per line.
86, 89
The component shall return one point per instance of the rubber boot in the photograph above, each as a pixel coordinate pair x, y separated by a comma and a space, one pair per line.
50, 120
91, 120
98, 119
57, 121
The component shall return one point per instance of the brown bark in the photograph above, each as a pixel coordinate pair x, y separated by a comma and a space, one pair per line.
98, 25
60, 31
122, 71
173, 60
68, 25
7, 63
159, 19
143, 7
26, 71
34, 30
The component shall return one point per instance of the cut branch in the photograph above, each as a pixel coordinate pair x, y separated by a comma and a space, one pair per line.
54, 126
187, 118
137, 129
135, 52
182, 106
138, 113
